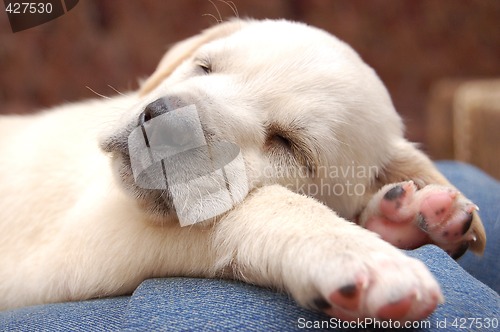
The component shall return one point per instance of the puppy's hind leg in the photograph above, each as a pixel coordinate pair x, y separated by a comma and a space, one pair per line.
418, 205
280, 239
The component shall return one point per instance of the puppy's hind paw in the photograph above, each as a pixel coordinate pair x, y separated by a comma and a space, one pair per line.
409, 218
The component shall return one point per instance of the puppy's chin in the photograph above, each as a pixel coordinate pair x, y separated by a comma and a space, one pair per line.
156, 204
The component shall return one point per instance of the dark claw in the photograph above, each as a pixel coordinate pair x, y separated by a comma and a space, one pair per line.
321, 303
467, 224
349, 290
394, 193
460, 251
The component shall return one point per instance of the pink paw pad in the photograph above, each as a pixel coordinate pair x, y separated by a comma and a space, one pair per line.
436, 207
447, 218
426, 311
454, 230
409, 218
396, 310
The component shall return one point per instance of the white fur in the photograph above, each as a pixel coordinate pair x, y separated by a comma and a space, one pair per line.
69, 231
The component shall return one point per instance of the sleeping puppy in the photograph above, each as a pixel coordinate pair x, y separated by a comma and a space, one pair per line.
288, 140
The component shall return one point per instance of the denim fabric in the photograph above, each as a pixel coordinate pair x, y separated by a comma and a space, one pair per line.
174, 304
485, 192
201, 304
94, 315
205, 304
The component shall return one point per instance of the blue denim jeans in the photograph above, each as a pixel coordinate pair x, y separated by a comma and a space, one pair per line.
470, 287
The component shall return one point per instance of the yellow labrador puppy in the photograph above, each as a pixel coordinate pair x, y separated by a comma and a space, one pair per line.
251, 153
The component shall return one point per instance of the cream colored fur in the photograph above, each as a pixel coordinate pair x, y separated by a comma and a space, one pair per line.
69, 231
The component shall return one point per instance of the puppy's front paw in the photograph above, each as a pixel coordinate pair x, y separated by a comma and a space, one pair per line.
383, 284
409, 218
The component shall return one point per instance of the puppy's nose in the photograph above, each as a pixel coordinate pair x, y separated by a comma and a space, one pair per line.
154, 109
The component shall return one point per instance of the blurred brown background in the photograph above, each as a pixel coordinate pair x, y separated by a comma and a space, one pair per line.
102, 43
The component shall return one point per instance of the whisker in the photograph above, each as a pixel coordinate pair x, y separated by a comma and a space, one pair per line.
120, 93
210, 15
100, 95
231, 5
218, 12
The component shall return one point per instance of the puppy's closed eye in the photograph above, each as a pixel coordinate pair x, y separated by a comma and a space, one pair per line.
207, 69
278, 139
203, 64
288, 148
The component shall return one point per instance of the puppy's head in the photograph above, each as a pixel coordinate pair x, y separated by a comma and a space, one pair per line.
251, 103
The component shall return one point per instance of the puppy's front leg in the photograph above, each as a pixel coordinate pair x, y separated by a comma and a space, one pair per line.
291, 242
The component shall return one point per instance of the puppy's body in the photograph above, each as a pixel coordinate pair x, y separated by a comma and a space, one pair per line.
75, 226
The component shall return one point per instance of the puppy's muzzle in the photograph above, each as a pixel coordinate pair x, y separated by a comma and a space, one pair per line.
169, 152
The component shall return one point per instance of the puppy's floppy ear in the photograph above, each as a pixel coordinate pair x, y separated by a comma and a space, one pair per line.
409, 163
184, 49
